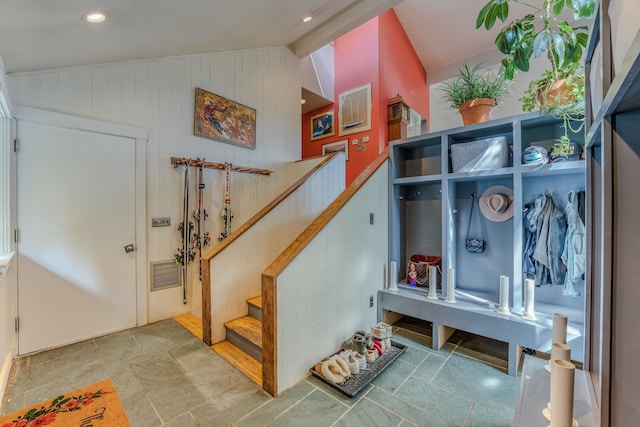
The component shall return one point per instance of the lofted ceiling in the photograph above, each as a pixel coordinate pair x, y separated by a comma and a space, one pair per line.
36, 34
45, 34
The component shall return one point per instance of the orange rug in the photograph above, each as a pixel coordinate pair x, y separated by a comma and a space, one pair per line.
93, 406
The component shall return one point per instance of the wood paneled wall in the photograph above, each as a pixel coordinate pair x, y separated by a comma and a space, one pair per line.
158, 95
236, 272
323, 295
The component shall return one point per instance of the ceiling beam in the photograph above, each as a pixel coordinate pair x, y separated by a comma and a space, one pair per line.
340, 25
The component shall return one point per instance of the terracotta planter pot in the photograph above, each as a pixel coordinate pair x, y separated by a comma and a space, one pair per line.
555, 94
476, 110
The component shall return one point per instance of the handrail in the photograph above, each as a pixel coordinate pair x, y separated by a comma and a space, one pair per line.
270, 274
206, 271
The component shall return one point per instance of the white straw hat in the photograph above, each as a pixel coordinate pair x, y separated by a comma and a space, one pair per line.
496, 203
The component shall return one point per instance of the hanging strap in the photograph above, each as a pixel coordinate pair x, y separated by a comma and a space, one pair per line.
474, 201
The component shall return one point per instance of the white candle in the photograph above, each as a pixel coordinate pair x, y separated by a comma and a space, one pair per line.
559, 328
393, 276
451, 286
562, 388
433, 284
503, 308
558, 351
529, 298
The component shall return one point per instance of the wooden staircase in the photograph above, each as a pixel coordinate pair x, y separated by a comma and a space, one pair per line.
243, 346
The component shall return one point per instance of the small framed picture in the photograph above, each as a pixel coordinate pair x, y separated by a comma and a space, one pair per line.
354, 113
332, 147
322, 125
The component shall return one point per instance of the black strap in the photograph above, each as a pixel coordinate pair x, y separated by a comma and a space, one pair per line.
474, 201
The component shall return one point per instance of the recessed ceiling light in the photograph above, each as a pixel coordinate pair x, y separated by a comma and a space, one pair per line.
94, 17
307, 19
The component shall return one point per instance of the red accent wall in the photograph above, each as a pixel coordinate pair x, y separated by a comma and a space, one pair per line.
377, 52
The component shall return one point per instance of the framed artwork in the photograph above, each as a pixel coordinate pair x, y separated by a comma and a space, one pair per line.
354, 113
332, 147
223, 120
322, 125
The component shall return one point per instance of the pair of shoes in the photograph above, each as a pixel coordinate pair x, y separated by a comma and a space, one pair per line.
349, 356
334, 369
356, 343
381, 331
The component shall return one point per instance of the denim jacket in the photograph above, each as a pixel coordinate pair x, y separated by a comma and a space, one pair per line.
574, 255
545, 233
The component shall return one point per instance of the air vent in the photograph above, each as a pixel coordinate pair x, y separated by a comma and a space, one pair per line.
164, 274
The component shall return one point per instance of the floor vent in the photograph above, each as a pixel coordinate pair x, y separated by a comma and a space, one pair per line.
164, 274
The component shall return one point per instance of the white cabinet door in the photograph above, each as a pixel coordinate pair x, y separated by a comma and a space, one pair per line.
76, 213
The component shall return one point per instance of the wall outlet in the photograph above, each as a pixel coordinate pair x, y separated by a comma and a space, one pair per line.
370, 301
160, 222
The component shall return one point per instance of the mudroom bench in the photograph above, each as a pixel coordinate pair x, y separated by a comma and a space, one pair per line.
475, 315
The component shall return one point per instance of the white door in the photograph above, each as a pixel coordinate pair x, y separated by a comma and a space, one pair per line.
76, 214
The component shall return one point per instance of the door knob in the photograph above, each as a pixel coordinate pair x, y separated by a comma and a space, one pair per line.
129, 248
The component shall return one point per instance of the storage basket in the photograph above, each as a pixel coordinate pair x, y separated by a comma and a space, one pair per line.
422, 264
484, 154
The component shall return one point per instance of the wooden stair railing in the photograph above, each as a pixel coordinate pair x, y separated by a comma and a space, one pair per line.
271, 273
206, 271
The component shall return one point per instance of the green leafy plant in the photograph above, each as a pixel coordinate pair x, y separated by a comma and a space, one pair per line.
474, 83
538, 33
536, 97
543, 32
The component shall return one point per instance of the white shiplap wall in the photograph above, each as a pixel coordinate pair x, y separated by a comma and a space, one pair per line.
236, 272
158, 95
323, 295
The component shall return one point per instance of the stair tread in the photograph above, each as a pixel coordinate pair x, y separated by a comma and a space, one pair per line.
240, 360
191, 323
255, 301
247, 327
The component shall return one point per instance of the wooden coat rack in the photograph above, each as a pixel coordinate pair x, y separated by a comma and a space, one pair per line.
220, 166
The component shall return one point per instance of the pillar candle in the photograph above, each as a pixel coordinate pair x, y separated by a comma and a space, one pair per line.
559, 331
562, 387
529, 299
559, 351
451, 286
433, 277
393, 276
503, 308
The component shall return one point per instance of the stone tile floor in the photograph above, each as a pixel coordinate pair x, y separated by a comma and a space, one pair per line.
167, 377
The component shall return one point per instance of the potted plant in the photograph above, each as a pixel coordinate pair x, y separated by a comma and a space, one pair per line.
562, 96
543, 32
474, 93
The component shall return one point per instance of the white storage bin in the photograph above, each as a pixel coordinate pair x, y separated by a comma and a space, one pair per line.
484, 154
625, 23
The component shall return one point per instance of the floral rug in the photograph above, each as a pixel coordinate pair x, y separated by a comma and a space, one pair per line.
93, 406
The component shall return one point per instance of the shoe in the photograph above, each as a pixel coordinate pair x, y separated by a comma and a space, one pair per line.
372, 355
378, 331
386, 343
355, 343
381, 330
367, 338
349, 356
331, 370
378, 346
362, 360
387, 328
